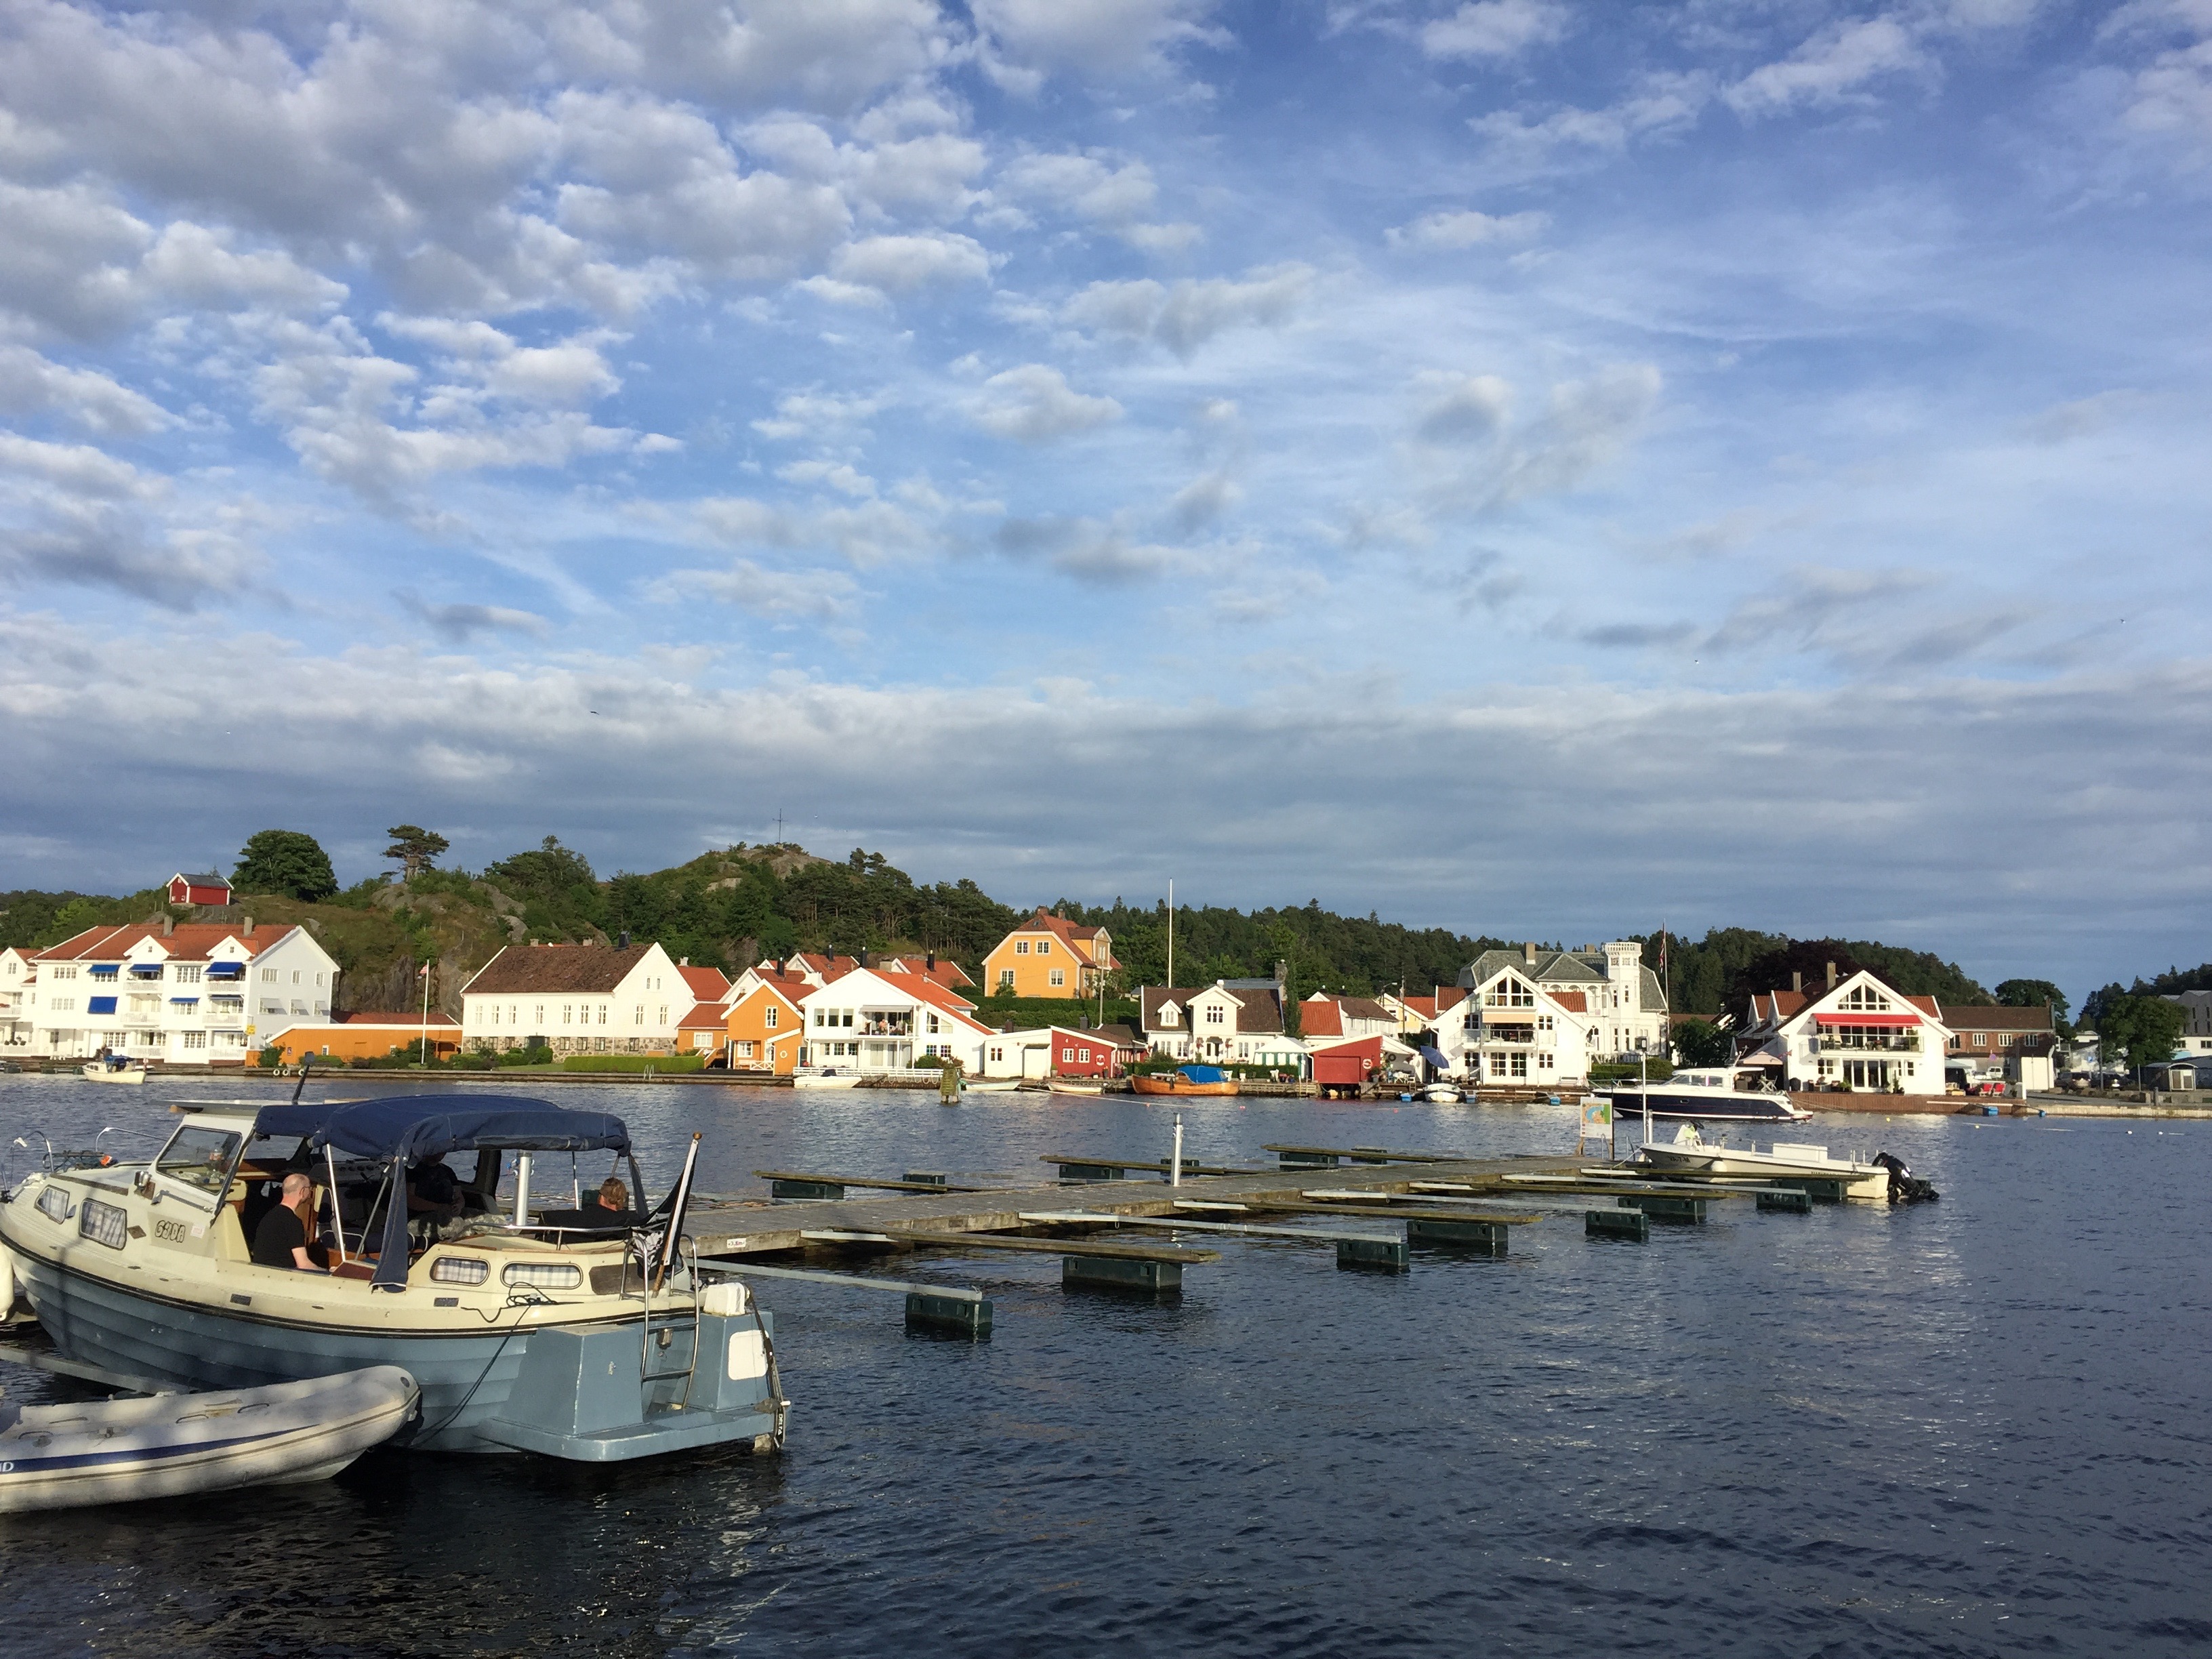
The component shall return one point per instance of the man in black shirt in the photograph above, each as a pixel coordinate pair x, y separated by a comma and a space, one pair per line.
281, 1240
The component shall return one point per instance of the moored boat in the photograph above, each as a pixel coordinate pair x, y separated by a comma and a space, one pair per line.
1442, 1093
114, 1071
832, 1079
80, 1453
1705, 1096
550, 1331
989, 1085
1690, 1153
1074, 1086
1185, 1080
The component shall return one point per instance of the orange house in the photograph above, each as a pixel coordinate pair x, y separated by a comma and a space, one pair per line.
366, 1036
763, 1030
1049, 956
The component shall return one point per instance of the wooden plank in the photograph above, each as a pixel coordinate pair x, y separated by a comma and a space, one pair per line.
873, 1186
1318, 1234
1061, 1247
1189, 1166
1394, 1214
1368, 1154
856, 1281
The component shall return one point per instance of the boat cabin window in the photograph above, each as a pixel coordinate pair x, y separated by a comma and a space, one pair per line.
199, 1158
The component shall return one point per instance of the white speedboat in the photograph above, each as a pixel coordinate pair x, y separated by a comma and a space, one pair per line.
1443, 1094
105, 1071
832, 1079
1712, 1096
1691, 1153
115, 1451
550, 1331
989, 1085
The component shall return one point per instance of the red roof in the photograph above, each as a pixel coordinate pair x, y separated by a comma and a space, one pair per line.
1319, 1017
704, 1017
412, 1017
1368, 1048
1575, 1002
928, 990
190, 941
708, 984
1061, 928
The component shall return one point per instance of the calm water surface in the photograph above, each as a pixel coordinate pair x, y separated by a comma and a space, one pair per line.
1975, 1427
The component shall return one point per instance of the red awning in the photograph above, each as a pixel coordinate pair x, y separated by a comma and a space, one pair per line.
1868, 1020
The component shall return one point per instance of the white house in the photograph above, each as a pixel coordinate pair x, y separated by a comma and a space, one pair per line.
577, 999
1326, 1016
188, 994
1511, 1030
1623, 1000
1856, 1034
872, 1019
1235, 1022
18, 973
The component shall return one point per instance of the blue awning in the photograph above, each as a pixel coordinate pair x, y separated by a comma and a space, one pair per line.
226, 970
100, 1004
174, 1000
407, 1128
145, 970
107, 972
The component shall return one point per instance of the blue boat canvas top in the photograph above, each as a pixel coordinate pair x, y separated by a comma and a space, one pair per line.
1202, 1073
405, 1129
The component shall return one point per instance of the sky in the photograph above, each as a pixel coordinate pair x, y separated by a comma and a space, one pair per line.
1545, 468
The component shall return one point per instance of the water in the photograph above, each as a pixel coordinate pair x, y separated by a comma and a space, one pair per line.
1974, 1427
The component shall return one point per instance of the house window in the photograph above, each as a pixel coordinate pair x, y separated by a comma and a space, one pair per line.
64, 973
1216, 1015
1044, 947
1543, 1062
1021, 947
998, 1053
195, 1039
1060, 976
663, 1014
295, 976
1509, 993
602, 1013
769, 1020
1006, 978
1067, 1056
1520, 1064
821, 1019
541, 1013
1981, 1039
268, 976
934, 1027
565, 1010
318, 979
1543, 1021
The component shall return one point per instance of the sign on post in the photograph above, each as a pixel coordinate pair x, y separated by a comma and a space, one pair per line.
1597, 1128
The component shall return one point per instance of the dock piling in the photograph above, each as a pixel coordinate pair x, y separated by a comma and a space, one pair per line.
807, 1189
949, 1313
1791, 1203
1617, 1224
1664, 1209
1383, 1255
923, 1178
1114, 1273
1483, 1237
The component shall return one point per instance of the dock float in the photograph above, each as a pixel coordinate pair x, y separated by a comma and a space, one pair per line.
1117, 1168
789, 1183
1296, 1157
1618, 1223
947, 1307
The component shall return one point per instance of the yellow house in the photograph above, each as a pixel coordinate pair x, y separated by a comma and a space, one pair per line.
763, 1029
1049, 956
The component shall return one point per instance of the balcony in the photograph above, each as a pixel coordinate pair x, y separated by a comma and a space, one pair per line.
1885, 1042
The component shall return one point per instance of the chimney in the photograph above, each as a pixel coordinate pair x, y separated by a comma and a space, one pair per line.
682, 962
622, 940
169, 924
929, 962
1797, 983
1528, 953
246, 931
1831, 977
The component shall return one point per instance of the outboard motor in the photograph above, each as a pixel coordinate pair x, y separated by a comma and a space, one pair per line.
1905, 1186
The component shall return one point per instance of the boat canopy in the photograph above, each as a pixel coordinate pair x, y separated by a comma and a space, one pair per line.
406, 1128
1203, 1073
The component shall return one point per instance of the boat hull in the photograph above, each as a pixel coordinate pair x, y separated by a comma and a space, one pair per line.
126, 1074
467, 1379
1685, 1107
803, 1082
1869, 1181
56, 1457
1154, 1085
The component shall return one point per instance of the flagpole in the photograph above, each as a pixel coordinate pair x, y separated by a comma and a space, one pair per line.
426, 1013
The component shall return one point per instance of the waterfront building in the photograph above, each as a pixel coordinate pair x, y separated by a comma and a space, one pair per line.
1622, 1000
871, 1019
945, 971
2196, 1037
1998, 1035
186, 993
1061, 1051
577, 999
1856, 1033
18, 973
1511, 1030
1236, 1022
366, 1035
763, 1027
1048, 956
1329, 1017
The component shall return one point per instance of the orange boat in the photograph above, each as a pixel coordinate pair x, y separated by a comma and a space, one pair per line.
1185, 1080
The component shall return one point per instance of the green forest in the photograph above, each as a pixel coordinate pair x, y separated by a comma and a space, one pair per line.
730, 908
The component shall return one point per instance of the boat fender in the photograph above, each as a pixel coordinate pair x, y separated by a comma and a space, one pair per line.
11, 1289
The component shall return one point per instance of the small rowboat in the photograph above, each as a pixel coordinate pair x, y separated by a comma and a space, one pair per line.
71, 1456
101, 1072
995, 1086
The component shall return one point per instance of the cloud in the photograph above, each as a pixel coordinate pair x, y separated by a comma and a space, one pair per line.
819, 596
2063, 423
1182, 316
1034, 405
1088, 549
1495, 28
1094, 36
1466, 229
813, 414
1463, 408
1203, 499
1832, 66
459, 623
1664, 105
871, 532
30, 384
898, 265
1099, 189
1588, 423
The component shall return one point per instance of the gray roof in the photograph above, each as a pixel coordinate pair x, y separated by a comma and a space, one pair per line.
1565, 970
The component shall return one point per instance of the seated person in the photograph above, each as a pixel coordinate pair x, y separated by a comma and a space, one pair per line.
281, 1239
609, 1207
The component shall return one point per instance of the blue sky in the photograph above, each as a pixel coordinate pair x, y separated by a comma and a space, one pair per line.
1544, 468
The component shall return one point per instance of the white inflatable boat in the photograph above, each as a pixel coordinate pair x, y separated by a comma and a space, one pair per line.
115, 1451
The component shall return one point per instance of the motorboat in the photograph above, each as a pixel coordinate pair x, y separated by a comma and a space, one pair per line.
77, 1455
1691, 1154
116, 1070
1185, 1080
1442, 1093
549, 1330
1075, 1085
1712, 1096
989, 1085
828, 1079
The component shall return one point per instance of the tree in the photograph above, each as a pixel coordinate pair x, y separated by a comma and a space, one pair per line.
286, 861
1701, 1042
417, 849
2142, 1029
2034, 993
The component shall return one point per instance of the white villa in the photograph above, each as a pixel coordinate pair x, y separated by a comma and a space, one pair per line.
1237, 1021
577, 999
1857, 1034
1624, 1004
191, 993
1512, 1029
874, 1019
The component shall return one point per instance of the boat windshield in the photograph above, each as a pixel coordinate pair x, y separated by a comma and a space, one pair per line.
200, 1157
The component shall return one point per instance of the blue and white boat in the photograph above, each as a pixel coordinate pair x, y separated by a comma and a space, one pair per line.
533, 1331
1712, 1095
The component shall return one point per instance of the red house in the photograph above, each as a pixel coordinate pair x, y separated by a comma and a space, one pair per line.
208, 889
1346, 1065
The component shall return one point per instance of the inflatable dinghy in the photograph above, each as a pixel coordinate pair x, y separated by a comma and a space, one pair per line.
116, 1451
